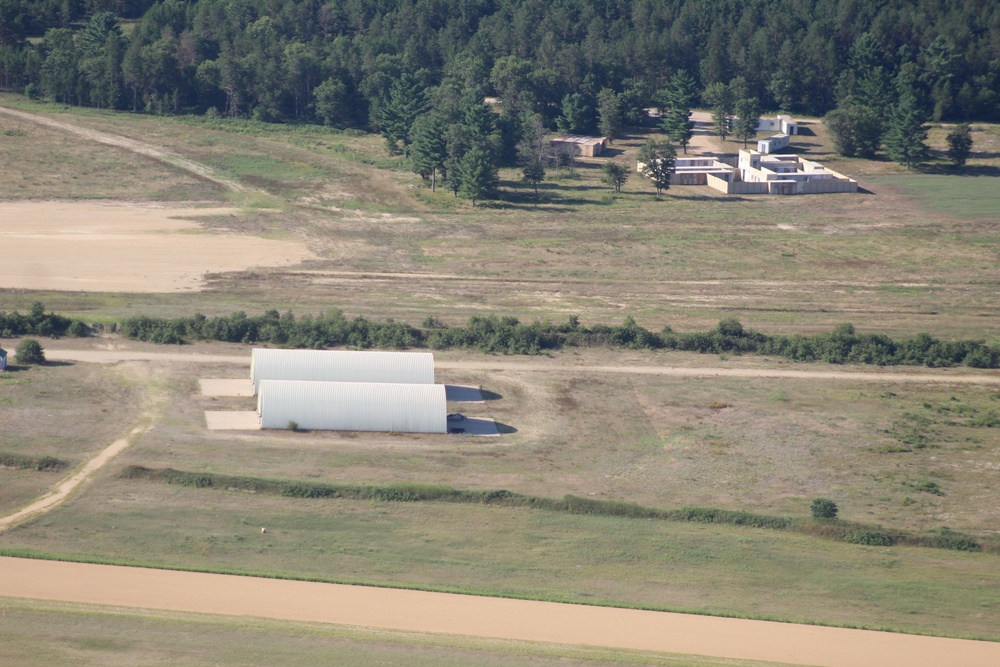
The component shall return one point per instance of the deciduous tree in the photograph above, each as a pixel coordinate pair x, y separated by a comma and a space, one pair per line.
615, 175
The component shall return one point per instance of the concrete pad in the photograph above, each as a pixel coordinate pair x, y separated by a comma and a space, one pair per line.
232, 420
463, 393
476, 426
214, 387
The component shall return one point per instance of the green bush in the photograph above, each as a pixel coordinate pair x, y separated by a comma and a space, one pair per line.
870, 538
30, 351
22, 462
824, 508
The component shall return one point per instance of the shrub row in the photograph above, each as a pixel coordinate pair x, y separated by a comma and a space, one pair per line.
508, 335
39, 323
23, 462
832, 529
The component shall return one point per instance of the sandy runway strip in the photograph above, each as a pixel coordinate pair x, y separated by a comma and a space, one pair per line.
419, 611
942, 376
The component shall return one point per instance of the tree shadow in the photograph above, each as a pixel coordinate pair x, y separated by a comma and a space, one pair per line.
490, 395
721, 197
988, 171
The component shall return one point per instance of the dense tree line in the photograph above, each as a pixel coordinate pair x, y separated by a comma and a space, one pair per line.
508, 335
341, 62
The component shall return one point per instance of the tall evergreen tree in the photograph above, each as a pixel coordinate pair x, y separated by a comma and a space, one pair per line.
907, 136
405, 103
748, 118
719, 98
429, 150
960, 144
658, 164
676, 101
477, 177
609, 113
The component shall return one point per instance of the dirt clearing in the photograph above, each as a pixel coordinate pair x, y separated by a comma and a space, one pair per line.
525, 620
124, 248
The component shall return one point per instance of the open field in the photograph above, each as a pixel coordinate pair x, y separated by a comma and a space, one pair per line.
913, 253
885, 260
767, 445
910, 455
67, 412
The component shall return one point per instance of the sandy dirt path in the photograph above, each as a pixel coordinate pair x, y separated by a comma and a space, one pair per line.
61, 491
987, 377
418, 611
142, 148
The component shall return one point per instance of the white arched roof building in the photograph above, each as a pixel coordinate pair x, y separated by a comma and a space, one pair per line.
341, 366
353, 406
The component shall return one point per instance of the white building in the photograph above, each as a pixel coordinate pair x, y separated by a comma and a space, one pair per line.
353, 406
782, 124
773, 143
341, 366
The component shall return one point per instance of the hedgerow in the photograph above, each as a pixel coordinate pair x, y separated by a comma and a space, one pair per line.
508, 335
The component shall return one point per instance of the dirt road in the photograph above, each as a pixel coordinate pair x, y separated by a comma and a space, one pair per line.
142, 148
63, 489
503, 364
418, 611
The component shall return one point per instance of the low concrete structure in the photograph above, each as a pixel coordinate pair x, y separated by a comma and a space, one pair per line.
780, 123
3, 359
773, 144
790, 174
580, 145
696, 170
756, 173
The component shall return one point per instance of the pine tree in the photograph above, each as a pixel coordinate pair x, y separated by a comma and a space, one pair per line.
960, 144
906, 139
477, 177
676, 100
429, 150
405, 103
658, 164
720, 99
748, 118
609, 112
577, 117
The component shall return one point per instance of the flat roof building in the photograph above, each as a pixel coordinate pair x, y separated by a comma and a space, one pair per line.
580, 145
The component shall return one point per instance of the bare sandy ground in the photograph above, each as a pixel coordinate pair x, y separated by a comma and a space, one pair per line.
232, 420
85, 246
61, 491
441, 613
943, 376
224, 387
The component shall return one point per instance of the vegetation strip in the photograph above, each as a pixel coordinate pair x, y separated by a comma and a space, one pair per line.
24, 462
855, 533
507, 335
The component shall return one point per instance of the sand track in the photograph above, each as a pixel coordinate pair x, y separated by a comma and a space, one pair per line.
523, 620
943, 376
149, 150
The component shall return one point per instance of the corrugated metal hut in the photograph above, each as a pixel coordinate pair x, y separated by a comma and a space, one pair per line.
341, 366
353, 406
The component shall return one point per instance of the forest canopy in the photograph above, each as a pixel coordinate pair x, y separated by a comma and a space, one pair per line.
335, 62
